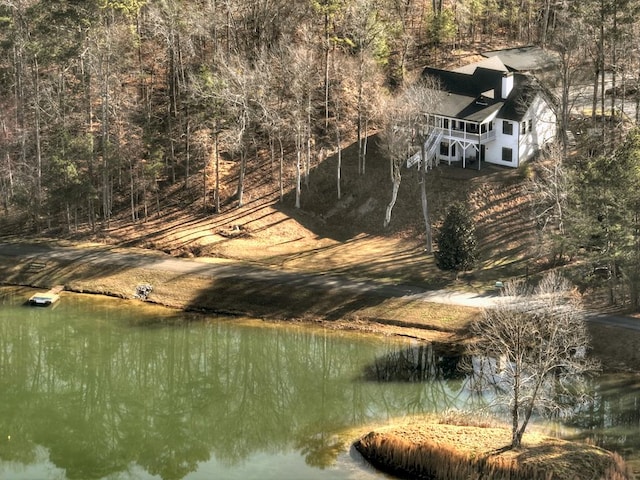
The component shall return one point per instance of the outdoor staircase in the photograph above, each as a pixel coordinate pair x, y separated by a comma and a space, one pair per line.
431, 145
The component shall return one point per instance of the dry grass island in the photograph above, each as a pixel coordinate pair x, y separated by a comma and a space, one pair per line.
345, 237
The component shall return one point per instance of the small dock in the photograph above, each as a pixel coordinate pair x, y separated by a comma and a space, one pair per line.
44, 299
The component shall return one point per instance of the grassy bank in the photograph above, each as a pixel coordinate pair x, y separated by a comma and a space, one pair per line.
442, 451
250, 297
270, 301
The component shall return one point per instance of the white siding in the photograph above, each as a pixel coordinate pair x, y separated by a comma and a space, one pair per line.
493, 150
541, 129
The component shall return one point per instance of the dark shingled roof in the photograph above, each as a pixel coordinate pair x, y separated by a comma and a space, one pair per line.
476, 96
520, 99
525, 59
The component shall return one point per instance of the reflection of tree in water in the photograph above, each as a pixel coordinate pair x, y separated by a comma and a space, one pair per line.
174, 459
612, 419
438, 372
319, 449
101, 399
419, 363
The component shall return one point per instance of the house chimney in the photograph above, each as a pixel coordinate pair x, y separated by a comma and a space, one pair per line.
507, 84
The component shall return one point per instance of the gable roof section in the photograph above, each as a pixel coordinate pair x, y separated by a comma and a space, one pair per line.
474, 92
480, 81
527, 58
524, 92
465, 107
491, 63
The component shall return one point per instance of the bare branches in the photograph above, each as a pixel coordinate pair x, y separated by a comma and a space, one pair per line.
406, 130
548, 190
395, 140
532, 349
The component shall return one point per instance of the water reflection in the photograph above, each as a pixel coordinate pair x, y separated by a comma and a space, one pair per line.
93, 390
418, 363
101, 393
612, 420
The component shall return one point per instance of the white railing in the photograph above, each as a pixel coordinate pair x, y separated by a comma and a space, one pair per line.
468, 136
431, 145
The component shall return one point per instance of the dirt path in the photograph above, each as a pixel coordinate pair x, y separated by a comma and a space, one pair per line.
224, 269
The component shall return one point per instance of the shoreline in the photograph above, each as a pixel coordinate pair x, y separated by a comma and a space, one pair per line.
200, 293
239, 289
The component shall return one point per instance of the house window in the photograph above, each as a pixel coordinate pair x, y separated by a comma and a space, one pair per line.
447, 150
445, 123
530, 125
507, 154
507, 127
523, 127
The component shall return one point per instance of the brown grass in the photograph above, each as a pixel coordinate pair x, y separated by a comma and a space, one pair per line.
327, 235
341, 310
343, 236
439, 451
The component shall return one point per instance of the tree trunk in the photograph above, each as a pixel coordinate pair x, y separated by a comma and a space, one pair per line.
106, 203
339, 172
307, 164
281, 170
545, 23
423, 200
602, 64
326, 69
594, 100
298, 166
359, 126
187, 147
243, 166
396, 178
157, 198
132, 191
394, 197
205, 186
38, 199
217, 160
516, 436
145, 202
365, 141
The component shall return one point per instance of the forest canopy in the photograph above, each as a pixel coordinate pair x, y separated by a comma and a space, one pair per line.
103, 103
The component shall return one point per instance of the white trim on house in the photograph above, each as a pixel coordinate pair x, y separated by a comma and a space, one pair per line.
487, 113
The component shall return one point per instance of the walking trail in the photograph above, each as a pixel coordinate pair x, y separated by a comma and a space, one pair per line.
25, 252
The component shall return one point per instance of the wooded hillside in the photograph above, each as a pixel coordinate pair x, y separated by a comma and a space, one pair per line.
105, 104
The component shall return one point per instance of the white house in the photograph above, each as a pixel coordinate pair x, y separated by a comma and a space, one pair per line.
485, 112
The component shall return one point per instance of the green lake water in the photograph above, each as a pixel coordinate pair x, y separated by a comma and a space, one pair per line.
98, 388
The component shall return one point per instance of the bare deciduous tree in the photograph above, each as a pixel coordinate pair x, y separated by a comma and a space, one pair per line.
406, 130
548, 192
532, 349
366, 27
395, 142
421, 98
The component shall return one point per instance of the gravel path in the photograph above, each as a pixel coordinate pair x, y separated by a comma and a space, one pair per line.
26, 252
